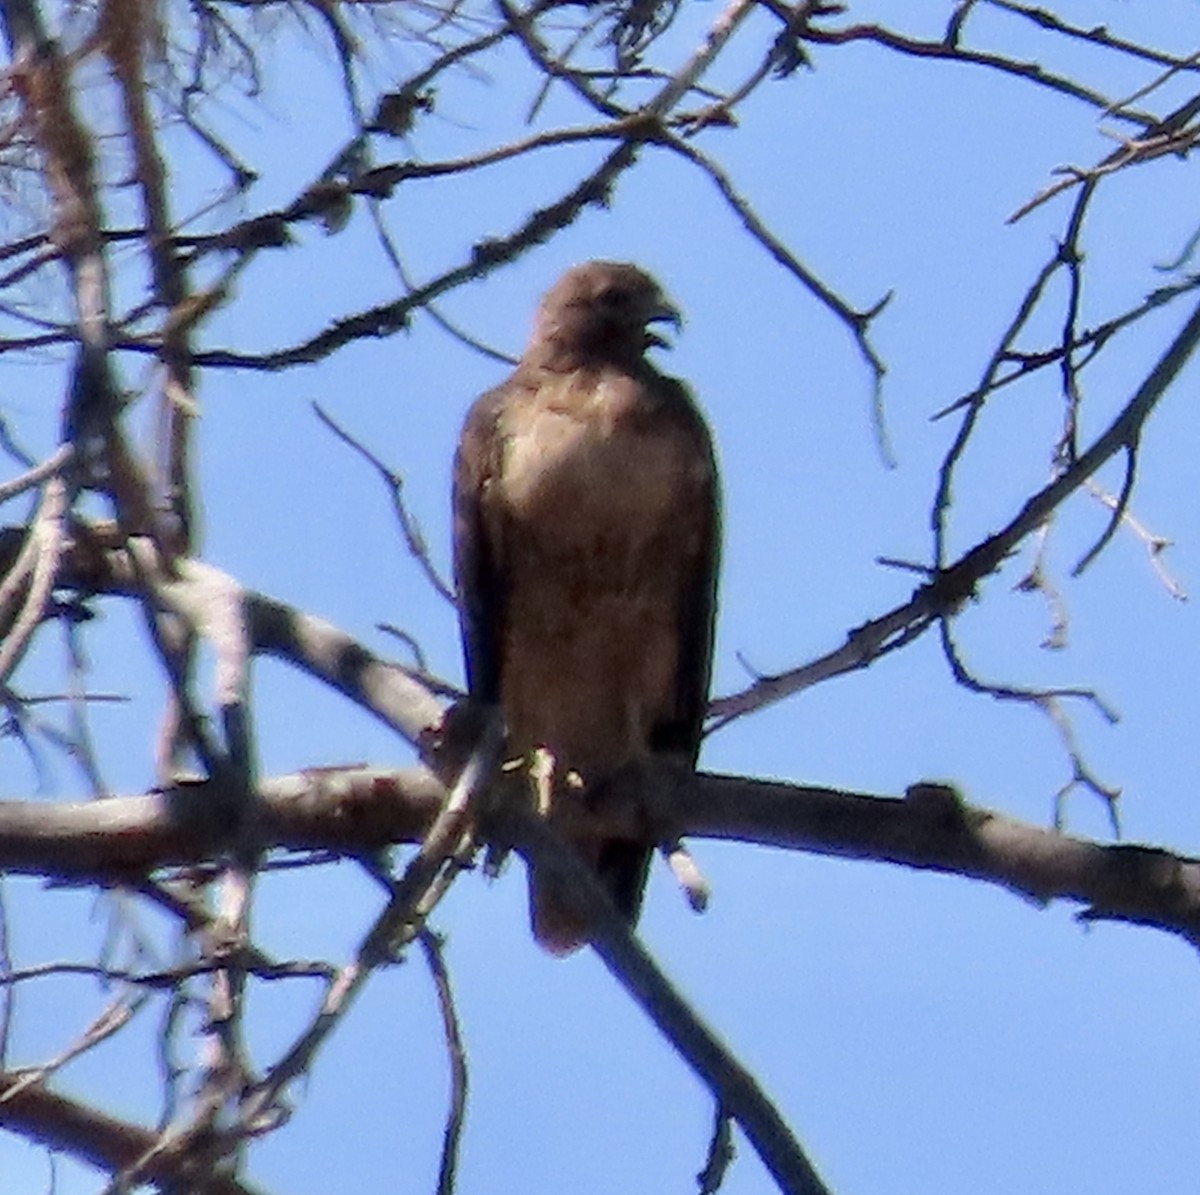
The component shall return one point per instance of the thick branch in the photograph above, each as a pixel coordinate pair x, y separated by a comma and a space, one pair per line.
350, 811
95, 560
360, 809
357, 809
93, 1137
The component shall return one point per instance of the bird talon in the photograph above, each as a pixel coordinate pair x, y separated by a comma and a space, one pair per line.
541, 772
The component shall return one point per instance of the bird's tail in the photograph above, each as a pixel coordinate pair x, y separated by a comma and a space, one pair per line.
559, 926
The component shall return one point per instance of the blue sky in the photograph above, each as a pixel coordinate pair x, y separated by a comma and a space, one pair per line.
919, 1033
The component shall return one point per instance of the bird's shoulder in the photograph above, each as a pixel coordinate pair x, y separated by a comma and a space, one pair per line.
606, 393
539, 419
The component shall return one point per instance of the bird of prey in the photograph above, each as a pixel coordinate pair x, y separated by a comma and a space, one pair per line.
586, 539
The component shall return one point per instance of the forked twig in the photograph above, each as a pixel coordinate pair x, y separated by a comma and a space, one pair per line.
414, 539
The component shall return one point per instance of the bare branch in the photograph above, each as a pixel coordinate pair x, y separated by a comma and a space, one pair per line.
431, 946
732, 1085
355, 811
956, 582
97, 560
1050, 703
414, 540
1032, 72
386, 319
45, 546
52, 466
413, 898
1155, 544
99, 1140
1097, 35
720, 1154
857, 322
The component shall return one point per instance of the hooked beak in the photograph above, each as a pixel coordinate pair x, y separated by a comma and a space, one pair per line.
664, 313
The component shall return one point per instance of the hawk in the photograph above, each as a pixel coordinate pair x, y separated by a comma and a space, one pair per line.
586, 529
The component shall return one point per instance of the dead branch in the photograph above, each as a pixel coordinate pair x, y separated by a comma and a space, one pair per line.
414, 538
732, 1085
352, 812
99, 1140
456, 1052
1031, 72
955, 583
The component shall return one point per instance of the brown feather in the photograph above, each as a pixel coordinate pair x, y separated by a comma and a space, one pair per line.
586, 542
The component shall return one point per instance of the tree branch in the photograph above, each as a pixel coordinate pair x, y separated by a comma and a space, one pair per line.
734, 1087
353, 811
92, 1137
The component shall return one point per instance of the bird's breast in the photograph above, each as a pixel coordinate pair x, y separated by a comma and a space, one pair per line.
597, 510
593, 470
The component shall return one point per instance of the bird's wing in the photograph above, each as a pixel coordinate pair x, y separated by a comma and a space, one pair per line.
680, 734
480, 578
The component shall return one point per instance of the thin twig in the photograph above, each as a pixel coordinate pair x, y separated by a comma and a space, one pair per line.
8, 995
857, 322
431, 946
46, 540
1155, 544
414, 539
1097, 35
720, 1153
1032, 72
112, 1019
413, 897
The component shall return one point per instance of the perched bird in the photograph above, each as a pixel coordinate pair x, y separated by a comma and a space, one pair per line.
586, 541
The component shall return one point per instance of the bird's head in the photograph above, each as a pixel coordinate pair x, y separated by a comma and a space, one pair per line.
601, 312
